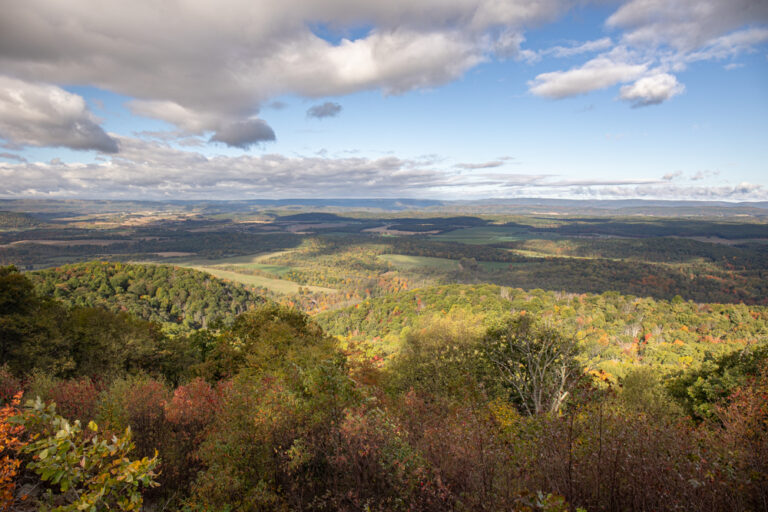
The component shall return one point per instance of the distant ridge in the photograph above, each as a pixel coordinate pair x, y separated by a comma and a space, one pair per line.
50, 209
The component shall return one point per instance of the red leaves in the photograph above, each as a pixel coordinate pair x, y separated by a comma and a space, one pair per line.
193, 406
10, 442
75, 399
9, 385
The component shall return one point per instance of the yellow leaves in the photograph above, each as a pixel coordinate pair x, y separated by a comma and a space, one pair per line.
504, 414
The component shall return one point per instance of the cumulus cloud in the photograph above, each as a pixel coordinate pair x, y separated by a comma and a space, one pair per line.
684, 24
598, 73
33, 114
658, 37
652, 90
224, 62
215, 66
327, 109
244, 134
672, 175
228, 128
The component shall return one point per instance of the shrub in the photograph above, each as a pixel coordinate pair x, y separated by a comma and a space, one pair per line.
76, 399
188, 414
83, 470
137, 402
9, 385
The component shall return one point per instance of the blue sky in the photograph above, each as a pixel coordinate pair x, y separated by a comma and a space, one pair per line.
456, 99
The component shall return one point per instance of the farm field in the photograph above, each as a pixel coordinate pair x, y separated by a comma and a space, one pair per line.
276, 285
487, 235
407, 263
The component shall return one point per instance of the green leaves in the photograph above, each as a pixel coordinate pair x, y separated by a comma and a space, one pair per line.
90, 473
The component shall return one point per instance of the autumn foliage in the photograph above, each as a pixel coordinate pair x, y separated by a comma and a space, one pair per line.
11, 441
487, 399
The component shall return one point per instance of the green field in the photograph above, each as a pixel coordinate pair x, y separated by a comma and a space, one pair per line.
276, 285
403, 262
230, 269
247, 261
487, 235
492, 266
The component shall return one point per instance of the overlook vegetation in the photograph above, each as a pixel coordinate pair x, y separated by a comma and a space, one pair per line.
464, 363
488, 397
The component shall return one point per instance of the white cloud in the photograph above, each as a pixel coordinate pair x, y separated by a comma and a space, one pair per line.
603, 71
155, 170
651, 90
207, 66
664, 36
684, 24
700, 175
33, 114
729, 45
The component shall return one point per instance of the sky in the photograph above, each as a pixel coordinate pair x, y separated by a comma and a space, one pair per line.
431, 99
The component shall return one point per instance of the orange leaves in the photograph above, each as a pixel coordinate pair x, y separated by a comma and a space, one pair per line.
9, 443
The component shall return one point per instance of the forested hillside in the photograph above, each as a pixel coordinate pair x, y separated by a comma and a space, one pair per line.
16, 220
486, 398
403, 362
159, 293
616, 332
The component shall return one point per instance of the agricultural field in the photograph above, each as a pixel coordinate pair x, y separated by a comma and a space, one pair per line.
489, 235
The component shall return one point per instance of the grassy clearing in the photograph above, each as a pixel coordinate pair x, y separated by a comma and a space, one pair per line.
403, 262
279, 270
249, 259
541, 254
237, 269
494, 266
275, 285
486, 235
